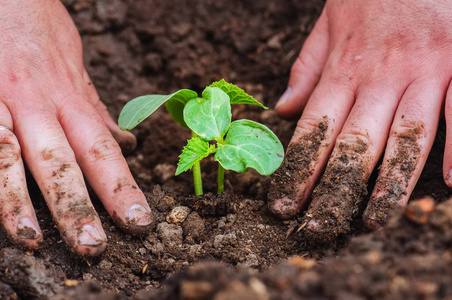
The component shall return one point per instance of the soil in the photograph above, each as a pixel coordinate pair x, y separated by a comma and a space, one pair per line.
228, 246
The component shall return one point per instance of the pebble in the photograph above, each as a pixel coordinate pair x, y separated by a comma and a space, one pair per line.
170, 233
251, 260
178, 215
419, 211
222, 240
104, 264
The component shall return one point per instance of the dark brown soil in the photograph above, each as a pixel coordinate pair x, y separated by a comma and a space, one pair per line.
228, 246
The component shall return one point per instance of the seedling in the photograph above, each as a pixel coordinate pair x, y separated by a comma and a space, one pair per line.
237, 145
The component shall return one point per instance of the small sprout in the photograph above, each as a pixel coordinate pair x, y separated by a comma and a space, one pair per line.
240, 145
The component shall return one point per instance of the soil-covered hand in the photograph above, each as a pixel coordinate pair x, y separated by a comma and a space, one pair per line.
51, 117
371, 78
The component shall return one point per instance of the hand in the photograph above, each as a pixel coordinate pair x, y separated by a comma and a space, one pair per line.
372, 74
51, 117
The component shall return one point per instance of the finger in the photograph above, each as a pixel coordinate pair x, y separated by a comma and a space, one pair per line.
336, 198
53, 165
310, 146
102, 162
17, 213
305, 72
447, 164
410, 140
126, 140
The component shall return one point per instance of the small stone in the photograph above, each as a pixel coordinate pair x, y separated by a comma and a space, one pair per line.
419, 211
221, 240
87, 277
105, 264
178, 215
251, 261
157, 249
170, 234
221, 222
70, 282
231, 218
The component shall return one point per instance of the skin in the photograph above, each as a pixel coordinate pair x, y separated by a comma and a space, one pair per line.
51, 119
380, 71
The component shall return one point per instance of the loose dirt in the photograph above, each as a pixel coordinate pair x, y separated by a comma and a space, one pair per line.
219, 247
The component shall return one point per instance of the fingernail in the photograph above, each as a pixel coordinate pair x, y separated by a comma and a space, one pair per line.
449, 177
284, 97
27, 229
139, 215
90, 236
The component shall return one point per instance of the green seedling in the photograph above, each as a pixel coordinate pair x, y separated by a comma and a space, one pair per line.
237, 145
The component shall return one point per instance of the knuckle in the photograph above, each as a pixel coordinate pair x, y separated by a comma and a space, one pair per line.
57, 153
353, 140
10, 151
304, 61
310, 121
58, 158
414, 130
105, 148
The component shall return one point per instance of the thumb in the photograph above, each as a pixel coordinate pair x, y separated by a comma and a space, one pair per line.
306, 71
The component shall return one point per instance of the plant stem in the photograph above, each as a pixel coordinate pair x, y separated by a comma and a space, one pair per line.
220, 179
220, 176
197, 180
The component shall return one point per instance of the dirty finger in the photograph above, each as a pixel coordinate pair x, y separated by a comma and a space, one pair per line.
104, 166
310, 146
17, 213
305, 72
54, 167
358, 147
409, 143
447, 164
126, 140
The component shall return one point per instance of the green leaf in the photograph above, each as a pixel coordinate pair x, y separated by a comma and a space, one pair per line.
175, 107
209, 116
195, 150
138, 109
250, 145
236, 94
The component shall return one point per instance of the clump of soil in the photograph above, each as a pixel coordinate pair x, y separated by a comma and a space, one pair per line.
141, 47
388, 264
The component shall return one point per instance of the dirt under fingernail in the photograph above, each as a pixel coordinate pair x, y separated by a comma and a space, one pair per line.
285, 199
337, 198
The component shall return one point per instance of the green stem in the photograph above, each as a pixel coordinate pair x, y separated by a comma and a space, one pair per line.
197, 180
220, 177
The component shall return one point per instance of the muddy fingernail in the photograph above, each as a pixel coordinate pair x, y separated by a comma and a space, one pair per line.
449, 178
27, 229
90, 236
139, 215
284, 97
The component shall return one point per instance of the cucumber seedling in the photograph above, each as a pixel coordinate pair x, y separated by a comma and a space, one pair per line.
237, 145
